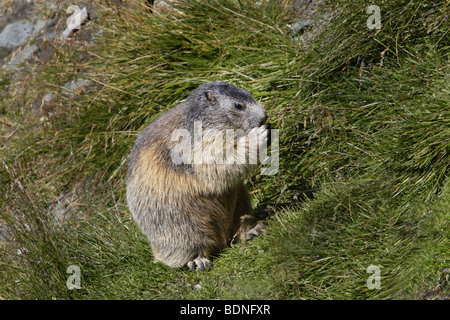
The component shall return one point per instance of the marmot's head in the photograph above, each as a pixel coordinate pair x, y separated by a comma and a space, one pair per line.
221, 106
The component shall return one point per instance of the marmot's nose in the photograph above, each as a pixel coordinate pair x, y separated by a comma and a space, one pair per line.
263, 119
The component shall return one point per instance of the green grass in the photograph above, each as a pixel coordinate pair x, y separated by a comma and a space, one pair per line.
364, 122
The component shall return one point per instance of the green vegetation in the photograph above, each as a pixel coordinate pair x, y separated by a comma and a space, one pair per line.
364, 120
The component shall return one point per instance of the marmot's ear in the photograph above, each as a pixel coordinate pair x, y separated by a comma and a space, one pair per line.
210, 96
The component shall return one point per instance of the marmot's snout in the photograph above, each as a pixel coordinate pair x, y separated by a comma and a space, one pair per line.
263, 119
256, 118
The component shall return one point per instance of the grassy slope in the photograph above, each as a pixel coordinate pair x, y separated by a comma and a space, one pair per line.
364, 154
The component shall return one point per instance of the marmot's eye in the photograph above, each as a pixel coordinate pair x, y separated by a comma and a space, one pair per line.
238, 106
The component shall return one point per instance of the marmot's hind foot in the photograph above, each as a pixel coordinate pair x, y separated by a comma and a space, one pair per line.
199, 263
255, 231
250, 228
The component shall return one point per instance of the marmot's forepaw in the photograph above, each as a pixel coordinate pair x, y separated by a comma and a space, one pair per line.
199, 263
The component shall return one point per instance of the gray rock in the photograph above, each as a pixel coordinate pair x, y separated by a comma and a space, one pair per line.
39, 25
48, 98
16, 34
21, 56
300, 25
74, 85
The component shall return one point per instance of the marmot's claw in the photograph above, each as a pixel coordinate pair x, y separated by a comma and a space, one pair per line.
199, 263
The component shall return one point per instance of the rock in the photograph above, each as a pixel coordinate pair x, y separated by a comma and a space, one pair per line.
42, 106
39, 25
51, 23
197, 286
74, 85
48, 98
21, 56
299, 25
16, 34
